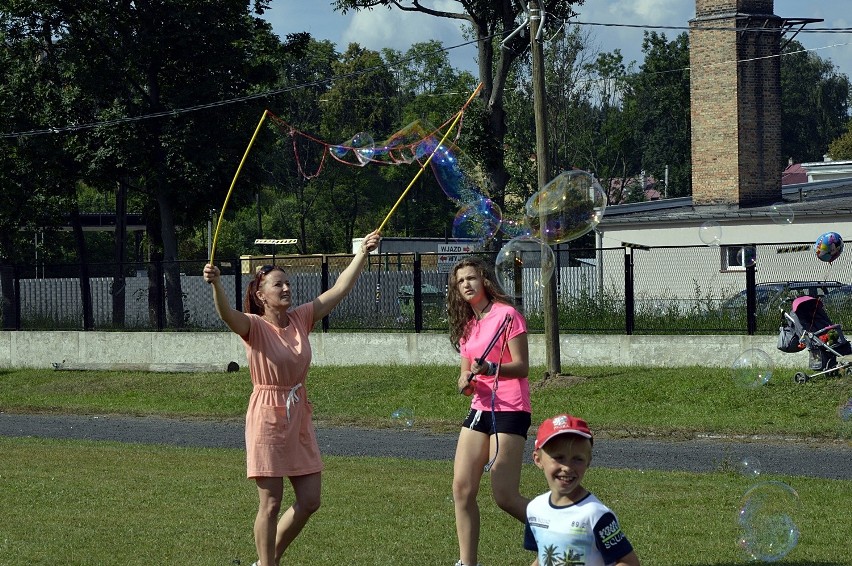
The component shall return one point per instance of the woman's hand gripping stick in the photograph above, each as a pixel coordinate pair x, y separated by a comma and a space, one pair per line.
481, 361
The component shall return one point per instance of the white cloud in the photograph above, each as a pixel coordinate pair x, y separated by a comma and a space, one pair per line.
382, 28
379, 28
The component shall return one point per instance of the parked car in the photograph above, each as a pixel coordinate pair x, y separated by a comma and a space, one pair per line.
779, 294
838, 299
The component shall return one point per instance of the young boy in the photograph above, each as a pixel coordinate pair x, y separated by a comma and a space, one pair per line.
569, 525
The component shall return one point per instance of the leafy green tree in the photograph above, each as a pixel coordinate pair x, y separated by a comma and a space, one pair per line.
489, 23
291, 194
814, 104
841, 147
358, 106
430, 92
119, 62
659, 108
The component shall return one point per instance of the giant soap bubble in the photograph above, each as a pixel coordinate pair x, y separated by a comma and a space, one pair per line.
569, 206
461, 179
361, 144
513, 227
477, 221
524, 261
767, 526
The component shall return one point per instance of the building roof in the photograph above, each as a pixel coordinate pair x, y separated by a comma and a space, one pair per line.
819, 199
793, 174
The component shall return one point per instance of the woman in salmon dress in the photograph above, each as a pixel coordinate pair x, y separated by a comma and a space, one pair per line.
280, 437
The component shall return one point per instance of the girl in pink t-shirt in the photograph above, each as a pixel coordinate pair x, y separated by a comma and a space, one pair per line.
280, 437
493, 435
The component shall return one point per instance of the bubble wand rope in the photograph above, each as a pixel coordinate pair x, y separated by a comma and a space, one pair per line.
234, 182
507, 330
429, 159
468, 389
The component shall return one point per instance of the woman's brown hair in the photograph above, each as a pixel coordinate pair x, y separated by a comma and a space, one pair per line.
459, 311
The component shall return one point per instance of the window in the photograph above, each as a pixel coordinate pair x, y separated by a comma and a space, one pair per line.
737, 258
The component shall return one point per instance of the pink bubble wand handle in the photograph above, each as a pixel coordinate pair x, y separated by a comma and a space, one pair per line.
429, 159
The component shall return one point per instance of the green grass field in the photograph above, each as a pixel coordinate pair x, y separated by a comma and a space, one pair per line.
80, 502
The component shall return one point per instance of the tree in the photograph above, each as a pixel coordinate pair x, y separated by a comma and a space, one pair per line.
357, 106
489, 21
295, 166
659, 105
118, 61
814, 104
841, 147
430, 92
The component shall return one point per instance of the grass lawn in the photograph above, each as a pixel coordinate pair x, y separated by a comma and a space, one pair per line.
80, 502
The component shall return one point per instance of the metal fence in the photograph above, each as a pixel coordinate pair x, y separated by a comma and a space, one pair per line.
660, 290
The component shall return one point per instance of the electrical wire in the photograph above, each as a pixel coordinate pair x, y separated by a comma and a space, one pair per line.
266, 94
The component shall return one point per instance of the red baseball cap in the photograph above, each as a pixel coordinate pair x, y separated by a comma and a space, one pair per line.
561, 424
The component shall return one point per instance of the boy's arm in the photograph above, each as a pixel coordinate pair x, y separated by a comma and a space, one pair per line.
535, 562
629, 559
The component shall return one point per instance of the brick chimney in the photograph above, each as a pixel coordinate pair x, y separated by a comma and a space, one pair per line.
735, 93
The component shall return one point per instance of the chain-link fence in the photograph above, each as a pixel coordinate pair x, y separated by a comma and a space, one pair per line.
660, 290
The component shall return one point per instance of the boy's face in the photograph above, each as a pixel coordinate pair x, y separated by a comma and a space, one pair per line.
564, 461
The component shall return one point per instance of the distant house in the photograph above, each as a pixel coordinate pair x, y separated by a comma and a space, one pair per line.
781, 235
739, 199
825, 170
794, 174
621, 188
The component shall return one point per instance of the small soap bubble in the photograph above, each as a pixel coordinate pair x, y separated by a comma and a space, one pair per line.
753, 368
403, 417
747, 256
781, 213
710, 233
750, 467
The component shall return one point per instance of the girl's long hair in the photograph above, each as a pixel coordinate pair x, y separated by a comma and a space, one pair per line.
459, 311
251, 304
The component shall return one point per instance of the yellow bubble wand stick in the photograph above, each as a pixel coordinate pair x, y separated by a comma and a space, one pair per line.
429, 159
234, 182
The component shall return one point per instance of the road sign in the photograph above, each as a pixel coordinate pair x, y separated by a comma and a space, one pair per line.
450, 254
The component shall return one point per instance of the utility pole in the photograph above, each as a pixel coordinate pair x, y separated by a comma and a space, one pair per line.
551, 315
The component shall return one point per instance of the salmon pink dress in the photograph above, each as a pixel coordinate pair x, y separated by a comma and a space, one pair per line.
280, 436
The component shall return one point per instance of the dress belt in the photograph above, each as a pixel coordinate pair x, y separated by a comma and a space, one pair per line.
292, 397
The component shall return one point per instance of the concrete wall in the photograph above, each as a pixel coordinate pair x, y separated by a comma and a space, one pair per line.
212, 351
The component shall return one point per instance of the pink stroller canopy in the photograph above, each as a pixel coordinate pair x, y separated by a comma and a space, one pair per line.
799, 300
810, 312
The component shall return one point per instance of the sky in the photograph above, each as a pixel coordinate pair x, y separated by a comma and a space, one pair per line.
383, 28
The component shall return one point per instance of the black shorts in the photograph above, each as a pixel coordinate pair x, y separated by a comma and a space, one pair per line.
508, 422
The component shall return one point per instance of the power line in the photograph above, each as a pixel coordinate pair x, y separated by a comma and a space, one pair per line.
180, 111
713, 28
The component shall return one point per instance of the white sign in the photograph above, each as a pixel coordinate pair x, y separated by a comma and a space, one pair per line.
455, 248
450, 254
276, 242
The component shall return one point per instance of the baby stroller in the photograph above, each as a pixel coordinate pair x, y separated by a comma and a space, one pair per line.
808, 327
